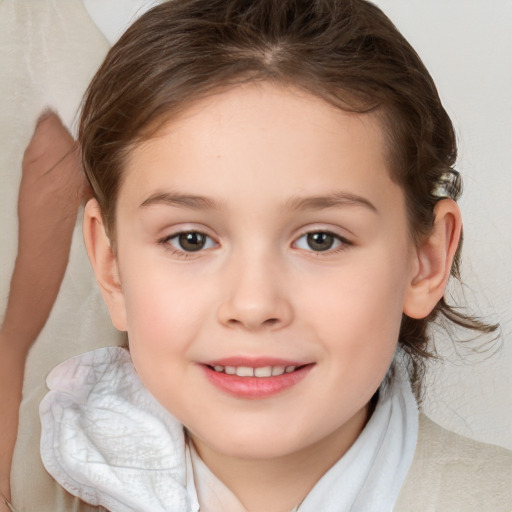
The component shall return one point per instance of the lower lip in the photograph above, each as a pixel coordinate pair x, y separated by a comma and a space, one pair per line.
255, 387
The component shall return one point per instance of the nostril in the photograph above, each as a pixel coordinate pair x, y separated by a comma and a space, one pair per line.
251, 314
269, 322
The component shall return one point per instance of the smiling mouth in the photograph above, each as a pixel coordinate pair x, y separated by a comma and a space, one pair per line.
255, 382
260, 371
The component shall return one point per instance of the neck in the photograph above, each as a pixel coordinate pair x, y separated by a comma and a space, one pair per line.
279, 484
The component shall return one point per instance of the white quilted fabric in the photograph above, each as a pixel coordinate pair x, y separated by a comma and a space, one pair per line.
106, 440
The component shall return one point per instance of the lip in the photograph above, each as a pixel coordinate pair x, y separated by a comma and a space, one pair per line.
255, 387
254, 362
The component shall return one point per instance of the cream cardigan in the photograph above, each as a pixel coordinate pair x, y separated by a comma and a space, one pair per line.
451, 473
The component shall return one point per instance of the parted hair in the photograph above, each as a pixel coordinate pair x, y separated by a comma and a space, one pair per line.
346, 52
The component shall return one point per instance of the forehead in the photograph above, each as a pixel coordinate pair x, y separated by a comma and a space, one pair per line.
255, 135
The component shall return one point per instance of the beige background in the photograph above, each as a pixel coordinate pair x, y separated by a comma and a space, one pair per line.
467, 47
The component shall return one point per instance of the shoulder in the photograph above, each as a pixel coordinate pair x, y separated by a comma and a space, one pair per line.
452, 473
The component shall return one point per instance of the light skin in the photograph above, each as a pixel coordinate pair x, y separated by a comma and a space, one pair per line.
304, 255
50, 192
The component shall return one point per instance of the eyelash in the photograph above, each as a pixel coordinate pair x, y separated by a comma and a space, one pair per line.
181, 252
339, 243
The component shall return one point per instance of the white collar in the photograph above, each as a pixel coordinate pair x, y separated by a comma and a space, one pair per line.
106, 440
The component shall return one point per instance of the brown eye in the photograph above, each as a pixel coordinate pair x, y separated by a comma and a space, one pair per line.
320, 241
191, 241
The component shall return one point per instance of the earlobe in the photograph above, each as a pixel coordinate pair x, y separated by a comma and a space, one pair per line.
104, 263
433, 261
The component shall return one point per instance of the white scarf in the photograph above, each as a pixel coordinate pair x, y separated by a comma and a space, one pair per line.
106, 440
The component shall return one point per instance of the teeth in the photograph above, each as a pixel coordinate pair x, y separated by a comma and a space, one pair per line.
277, 370
245, 371
248, 371
264, 371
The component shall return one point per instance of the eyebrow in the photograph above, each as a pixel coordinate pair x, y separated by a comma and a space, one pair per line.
180, 200
333, 200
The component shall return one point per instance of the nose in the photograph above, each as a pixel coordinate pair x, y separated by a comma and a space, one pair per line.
255, 297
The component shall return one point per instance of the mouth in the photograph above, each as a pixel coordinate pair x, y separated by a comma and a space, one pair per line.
257, 371
256, 381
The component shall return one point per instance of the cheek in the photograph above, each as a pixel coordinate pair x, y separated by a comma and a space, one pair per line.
367, 288
161, 324
357, 312
161, 329
158, 305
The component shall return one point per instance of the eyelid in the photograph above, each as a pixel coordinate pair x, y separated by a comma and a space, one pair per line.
165, 241
185, 227
341, 243
177, 235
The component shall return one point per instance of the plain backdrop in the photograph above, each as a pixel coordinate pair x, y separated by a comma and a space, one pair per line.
467, 47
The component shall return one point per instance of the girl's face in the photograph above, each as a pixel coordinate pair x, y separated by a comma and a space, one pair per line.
260, 233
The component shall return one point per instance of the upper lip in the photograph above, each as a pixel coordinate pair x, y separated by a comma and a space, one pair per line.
254, 362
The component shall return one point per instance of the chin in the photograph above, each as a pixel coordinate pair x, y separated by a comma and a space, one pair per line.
254, 441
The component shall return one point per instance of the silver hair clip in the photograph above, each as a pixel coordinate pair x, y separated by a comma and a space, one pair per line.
448, 186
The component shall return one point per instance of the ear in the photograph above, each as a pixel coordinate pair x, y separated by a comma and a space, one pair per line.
104, 263
433, 261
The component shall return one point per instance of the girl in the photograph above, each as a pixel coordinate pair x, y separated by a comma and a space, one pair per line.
274, 227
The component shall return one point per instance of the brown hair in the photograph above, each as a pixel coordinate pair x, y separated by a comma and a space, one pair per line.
344, 51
